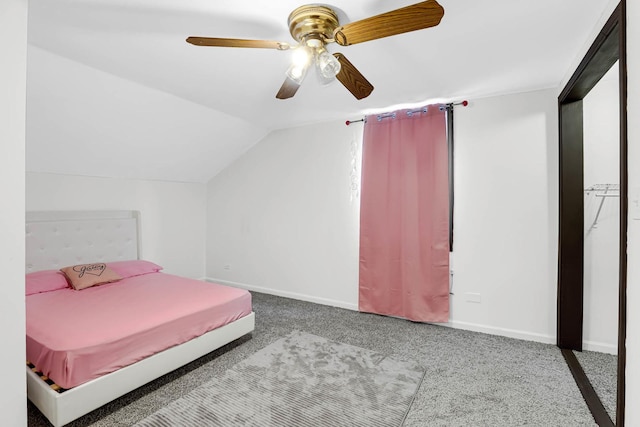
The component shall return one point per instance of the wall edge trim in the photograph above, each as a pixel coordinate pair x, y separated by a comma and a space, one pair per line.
503, 332
286, 294
473, 327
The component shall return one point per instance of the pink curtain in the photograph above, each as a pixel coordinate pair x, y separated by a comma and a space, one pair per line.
404, 217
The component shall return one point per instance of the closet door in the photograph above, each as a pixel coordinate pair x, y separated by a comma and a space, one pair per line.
578, 250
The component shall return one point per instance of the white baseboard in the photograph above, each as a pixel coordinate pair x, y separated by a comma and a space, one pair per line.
504, 332
474, 327
286, 294
600, 347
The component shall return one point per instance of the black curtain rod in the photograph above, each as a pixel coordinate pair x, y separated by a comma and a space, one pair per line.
384, 115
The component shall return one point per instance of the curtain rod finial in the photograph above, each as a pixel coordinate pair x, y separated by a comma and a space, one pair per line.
348, 122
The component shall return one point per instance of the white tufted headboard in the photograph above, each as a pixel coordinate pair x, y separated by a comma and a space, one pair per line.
57, 239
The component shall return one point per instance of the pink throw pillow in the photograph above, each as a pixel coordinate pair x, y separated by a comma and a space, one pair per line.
44, 281
136, 267
86, 275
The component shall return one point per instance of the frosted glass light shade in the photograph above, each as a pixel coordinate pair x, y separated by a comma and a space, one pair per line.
327, 67
300, 60
297, 73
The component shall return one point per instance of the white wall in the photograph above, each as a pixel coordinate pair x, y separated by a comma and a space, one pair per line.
13, 45
284, 218
601, 243
173, 214
633, 236
505, 218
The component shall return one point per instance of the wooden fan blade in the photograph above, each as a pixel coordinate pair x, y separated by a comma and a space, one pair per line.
352, 79
212, 41
411, 18
288, 89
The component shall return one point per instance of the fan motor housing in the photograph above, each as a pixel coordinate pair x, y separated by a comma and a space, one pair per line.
313, 20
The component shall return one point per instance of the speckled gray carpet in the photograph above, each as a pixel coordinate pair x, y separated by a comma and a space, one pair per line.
602, 371
301, 380
471, 379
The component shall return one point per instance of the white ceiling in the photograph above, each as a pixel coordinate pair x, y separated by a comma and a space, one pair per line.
481, 48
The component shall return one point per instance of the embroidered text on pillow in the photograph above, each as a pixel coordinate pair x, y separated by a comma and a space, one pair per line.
83, 276
93, 269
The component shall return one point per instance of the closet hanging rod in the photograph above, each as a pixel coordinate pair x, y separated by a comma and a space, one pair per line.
603, 189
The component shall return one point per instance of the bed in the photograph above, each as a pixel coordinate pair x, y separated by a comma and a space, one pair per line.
112, 338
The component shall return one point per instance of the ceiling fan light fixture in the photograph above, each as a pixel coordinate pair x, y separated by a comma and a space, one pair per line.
314, 26
300, 60
301, 56
327, 66
297, 73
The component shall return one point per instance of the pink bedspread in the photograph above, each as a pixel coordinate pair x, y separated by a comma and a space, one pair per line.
76, 336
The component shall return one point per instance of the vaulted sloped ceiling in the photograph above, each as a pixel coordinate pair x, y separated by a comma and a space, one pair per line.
84, 121
114, 89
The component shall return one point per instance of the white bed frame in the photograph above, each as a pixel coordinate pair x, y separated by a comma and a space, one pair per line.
58, 239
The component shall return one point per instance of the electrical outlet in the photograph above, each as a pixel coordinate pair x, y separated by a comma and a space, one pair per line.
634, 203
472, 297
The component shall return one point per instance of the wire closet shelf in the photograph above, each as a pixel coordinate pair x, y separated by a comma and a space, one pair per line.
603, 191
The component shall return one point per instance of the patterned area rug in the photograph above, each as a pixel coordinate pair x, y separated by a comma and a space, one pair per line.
301, 380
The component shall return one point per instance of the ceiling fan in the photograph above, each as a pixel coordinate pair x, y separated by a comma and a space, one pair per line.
314, 26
